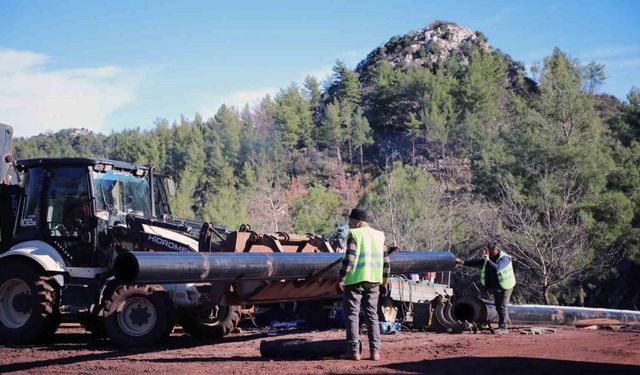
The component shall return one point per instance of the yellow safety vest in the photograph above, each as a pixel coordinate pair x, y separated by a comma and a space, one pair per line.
368, 263
506, 276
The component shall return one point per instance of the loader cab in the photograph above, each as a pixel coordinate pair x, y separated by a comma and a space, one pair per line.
73, 203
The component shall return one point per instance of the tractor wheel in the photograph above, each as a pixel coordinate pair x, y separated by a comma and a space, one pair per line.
28, 304
212, 323
138, 315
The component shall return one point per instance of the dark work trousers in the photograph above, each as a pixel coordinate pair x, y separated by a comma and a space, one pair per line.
502, 297
365, 295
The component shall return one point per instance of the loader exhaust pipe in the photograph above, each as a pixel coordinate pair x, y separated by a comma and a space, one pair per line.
172, 267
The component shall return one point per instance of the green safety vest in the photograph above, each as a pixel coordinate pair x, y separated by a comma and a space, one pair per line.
506, 277
368, 263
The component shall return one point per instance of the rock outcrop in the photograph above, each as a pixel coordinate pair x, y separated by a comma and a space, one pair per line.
427, 47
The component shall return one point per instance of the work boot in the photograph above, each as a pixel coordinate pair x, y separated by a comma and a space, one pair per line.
351, 356
501, 331
375, 356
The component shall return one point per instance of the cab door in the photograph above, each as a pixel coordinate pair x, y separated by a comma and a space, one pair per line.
58, 206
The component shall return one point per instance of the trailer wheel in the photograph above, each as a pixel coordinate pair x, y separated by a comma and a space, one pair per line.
28, 304
213, 323
138, 315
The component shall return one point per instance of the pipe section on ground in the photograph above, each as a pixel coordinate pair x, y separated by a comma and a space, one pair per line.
474, 310
173, 267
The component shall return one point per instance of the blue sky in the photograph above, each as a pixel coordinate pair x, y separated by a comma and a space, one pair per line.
113, 65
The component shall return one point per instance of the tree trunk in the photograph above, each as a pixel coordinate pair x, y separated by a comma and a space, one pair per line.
413, 151
545, 294
390, 208
274, 211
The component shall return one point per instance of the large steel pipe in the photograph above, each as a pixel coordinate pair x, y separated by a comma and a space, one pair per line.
473, 309
170, 267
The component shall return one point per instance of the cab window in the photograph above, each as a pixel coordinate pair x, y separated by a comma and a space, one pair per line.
66, 208
33, 190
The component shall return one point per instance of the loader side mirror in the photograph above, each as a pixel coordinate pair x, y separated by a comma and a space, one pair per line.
171, 187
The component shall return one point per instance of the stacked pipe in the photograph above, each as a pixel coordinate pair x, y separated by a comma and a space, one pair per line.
172, 267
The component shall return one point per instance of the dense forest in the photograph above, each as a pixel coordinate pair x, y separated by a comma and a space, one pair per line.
446, 140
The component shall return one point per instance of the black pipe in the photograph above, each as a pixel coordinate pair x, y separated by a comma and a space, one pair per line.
473, 309
169, 267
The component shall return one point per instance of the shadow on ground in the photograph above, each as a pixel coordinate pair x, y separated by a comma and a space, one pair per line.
510, 365
101, 349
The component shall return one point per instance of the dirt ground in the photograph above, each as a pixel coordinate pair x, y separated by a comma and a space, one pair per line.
569, 350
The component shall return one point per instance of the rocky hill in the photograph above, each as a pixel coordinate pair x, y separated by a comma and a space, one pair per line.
427, 47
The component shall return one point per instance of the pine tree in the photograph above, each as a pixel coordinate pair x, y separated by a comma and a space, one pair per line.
438, 112
346, 87
361, 135
294, 118
332, 133
414, 128
312, 91
227, 123
247, 137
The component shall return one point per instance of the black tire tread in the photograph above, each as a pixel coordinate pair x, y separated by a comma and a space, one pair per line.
45, 291
157, 296
194, 327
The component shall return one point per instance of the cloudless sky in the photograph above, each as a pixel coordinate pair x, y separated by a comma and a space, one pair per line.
131, 62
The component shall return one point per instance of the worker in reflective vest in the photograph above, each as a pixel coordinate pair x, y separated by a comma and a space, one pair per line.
496, 277
363, 276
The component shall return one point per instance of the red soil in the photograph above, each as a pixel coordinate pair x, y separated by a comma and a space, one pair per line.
569, 350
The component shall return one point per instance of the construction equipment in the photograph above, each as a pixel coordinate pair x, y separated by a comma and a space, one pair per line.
69, 223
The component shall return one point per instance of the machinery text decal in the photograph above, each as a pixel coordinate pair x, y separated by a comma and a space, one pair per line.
162, 244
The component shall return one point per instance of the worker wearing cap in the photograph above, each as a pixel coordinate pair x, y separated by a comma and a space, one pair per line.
363, 276
496, 277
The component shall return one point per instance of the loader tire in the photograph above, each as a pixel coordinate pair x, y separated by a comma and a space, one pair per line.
138, 315
211, 323
29, 307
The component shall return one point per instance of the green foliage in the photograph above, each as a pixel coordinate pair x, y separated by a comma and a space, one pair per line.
227, 125
313, 93
361, 133
182, 205
331, 133
316, 212
610, 217
294, 118
629, 129
227, 207
409, 205
345, 85
593, 76
476, 110
438, 113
